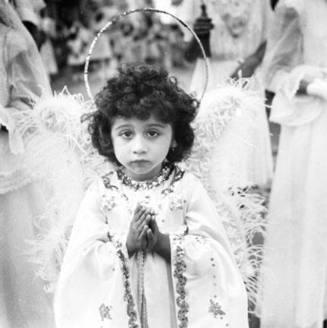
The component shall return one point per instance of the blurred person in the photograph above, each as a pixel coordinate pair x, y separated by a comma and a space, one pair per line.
102, 52
294, 283
29, 13
48, 28
79, 38
23, 302
237, 44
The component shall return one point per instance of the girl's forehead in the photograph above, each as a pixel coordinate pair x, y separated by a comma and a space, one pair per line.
133, 121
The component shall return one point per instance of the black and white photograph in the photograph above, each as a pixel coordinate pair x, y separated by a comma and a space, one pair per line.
162, 163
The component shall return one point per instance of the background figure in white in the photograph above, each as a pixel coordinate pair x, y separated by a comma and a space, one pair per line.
23, 302
48, 28
239, 31
29, 13
78, 45
102, 54
294, 275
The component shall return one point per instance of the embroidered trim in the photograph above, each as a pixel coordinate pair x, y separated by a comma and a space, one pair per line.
177, 204
215, 309
214, 306
107, 181
178, 175
165, 172
105, 312
180, 268
128, 297
108, 203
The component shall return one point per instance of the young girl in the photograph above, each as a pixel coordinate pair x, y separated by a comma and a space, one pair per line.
147, 248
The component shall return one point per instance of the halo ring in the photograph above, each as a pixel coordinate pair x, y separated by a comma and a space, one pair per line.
129, 12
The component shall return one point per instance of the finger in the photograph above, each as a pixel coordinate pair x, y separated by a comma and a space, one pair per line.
139, 216
138, 208
142, 232
149, 235
153, 225
148, 219
141, 221
150, 239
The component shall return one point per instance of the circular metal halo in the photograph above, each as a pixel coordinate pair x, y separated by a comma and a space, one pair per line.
129, 12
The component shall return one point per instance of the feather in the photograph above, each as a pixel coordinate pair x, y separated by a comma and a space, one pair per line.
225, 119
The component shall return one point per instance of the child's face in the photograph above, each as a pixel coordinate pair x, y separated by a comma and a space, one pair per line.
141, 146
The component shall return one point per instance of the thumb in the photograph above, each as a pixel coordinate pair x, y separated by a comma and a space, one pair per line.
153, 225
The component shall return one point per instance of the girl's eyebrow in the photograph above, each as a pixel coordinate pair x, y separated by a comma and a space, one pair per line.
150, 125
157, 125
122, 126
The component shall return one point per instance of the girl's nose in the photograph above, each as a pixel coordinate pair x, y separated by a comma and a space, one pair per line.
139, 145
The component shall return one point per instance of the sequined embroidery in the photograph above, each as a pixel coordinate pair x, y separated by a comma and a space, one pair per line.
107, 181
105, 312
214, 306
177, 204
128, 297
166, 170
215, 309
178, 175
180, 268
108, 203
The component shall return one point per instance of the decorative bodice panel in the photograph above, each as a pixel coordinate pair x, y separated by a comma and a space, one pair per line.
118, 202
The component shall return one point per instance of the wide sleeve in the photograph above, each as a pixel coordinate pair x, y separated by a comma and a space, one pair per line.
285, 68
26, 81
202, 264
94, 266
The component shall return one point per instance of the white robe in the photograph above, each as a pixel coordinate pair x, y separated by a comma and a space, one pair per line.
98, 285
38, 170
23, 302
295, 250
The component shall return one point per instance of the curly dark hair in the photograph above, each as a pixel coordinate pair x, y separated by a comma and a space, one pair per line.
141, 91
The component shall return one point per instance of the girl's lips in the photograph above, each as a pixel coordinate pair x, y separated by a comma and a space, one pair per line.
140, 162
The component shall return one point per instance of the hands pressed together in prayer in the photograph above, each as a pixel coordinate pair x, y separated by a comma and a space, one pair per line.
144, 234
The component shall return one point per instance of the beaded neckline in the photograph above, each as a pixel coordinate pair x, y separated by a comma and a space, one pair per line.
146, 185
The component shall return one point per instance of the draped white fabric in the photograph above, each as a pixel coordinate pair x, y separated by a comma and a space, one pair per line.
23, 302
35, 171
294, 284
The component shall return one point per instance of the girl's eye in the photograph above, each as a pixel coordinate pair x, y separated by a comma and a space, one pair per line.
127, 134
152, 133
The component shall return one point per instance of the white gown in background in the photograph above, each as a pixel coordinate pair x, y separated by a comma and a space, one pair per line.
240, 26
294, 275
38, 171
23, 302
